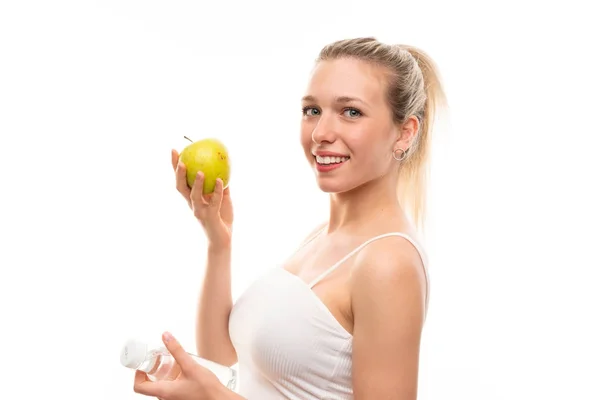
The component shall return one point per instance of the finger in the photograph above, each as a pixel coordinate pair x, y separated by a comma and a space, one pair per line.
174, 373
217, 196
181, 180
185, 361
145, 386
174, 159
196, 193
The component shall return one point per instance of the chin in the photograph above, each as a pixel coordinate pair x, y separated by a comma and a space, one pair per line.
337, 180
332, 185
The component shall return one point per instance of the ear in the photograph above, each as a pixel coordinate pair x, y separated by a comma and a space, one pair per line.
407, 131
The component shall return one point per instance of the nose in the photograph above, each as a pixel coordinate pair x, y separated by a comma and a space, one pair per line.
325, 130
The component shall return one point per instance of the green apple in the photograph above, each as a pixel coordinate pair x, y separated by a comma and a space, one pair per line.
209, 156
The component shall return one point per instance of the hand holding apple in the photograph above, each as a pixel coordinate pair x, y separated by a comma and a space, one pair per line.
209, 156
202, 176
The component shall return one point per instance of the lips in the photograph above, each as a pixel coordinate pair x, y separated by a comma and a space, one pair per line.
328, 160
328, 163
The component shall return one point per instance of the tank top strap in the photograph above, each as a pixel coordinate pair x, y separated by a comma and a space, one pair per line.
313, 237
363, 245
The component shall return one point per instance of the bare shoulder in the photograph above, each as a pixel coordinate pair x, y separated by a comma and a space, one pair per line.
389, 266
388, 301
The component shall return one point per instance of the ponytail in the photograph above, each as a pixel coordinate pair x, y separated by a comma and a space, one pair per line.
414, 173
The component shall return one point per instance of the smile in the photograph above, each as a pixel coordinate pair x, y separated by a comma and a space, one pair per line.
327, 160
329, 163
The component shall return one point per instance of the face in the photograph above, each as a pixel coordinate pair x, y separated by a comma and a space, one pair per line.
347, 130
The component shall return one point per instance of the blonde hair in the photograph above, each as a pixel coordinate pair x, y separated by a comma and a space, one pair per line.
414, 88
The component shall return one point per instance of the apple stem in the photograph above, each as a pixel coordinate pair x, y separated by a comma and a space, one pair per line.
191, 141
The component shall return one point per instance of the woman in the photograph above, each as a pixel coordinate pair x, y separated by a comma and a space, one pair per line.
343, 317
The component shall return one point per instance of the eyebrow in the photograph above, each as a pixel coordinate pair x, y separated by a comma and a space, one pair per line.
339, 99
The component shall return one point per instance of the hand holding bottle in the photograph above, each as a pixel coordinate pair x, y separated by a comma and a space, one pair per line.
194, 382
214, 211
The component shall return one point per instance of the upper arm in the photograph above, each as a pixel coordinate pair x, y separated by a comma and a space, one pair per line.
388, 304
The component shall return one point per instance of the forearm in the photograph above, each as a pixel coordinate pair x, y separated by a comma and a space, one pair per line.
215, 303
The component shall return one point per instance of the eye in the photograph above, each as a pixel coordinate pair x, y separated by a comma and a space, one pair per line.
310, 111
352, 113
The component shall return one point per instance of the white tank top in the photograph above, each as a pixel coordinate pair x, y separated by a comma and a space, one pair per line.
289, 345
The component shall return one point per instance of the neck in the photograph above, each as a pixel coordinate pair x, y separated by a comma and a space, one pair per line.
364, 204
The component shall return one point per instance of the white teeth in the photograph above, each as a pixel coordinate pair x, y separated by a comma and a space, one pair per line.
331, 160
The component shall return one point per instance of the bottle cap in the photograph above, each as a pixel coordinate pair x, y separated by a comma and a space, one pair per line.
133, 353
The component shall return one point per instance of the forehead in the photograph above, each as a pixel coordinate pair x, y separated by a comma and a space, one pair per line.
348, 77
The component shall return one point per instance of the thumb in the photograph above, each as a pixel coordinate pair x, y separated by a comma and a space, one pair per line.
183, 359
174, 159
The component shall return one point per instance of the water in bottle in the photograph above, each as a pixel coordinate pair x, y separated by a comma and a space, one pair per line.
159, 364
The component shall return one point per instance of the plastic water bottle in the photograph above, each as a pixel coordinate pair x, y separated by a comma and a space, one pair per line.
159, 364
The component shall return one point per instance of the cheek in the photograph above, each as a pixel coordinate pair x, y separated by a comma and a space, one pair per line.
371, 157
306, 137
372, 144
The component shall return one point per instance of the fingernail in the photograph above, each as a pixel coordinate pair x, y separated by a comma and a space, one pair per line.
167, 337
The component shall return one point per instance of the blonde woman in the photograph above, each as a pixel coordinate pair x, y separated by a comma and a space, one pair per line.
342, 318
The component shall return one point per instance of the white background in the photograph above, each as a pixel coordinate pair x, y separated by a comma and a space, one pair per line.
96, 244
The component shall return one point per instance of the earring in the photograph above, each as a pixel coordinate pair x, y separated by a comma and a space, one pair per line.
399, 157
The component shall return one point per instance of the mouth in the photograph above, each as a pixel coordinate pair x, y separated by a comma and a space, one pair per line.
330, 160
